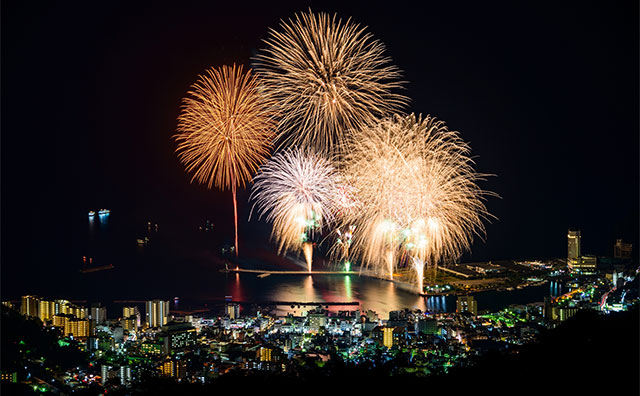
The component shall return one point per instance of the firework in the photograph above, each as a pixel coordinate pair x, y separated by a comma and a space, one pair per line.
225, 130
295, 191
419, 194
328, 77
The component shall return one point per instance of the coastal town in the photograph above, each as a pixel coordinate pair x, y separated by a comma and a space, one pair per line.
98, 350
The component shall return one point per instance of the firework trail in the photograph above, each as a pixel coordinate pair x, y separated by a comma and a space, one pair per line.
225, 130
419, 194
328, 77
295, 191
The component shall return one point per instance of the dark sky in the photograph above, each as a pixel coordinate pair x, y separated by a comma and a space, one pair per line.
546, 94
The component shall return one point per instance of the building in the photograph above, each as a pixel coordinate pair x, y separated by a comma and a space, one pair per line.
179, 336
573, 248
232, 310
317, 319
467, 304
562, 313
174, 368
132, 312
157, 313
622, 250
390, 335
427, 326
29, 306
46, 310
125, 375
9, 376
78, 328
588, 264
98, 314
129, 324
264, 354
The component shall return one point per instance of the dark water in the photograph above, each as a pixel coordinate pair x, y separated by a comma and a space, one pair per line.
183, 261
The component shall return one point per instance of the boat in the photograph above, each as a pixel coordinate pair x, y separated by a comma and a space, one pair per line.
104, 211
92, 213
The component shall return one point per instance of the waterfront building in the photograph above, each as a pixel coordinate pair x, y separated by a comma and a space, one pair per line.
467, 304
157, 313
317, 319
29, 306
233, 310
588, 264
573, 248
622, 250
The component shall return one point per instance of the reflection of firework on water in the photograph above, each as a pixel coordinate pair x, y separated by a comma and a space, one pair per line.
225, 130
295, 191
418, 191
328, 76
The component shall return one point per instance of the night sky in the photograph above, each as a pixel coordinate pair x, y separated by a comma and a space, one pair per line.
545, 93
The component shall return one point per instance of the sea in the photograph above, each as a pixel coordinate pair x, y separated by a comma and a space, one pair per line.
124, 259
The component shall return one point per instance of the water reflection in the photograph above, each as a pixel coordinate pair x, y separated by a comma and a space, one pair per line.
436, 304
378, 295
347, 287
555, 288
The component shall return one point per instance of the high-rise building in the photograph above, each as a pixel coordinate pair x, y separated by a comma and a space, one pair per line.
46, 310
79, 328
233, 310
467, 304
157, 313
573, 248
98, 314
128, 312
29, 306
622, 250
387, 337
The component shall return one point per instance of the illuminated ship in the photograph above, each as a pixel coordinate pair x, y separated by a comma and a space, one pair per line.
92, 213
104, 211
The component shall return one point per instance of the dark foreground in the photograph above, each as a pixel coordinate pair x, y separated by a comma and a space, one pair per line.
590, 353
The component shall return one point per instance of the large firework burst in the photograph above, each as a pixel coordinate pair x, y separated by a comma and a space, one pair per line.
419, 193
328, 77
225, 130
295, 191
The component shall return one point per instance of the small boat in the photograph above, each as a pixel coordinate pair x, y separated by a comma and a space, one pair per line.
104, 211
92, 213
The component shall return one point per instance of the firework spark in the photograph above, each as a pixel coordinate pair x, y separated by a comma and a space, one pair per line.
328, 77
419, 194
295, 191
225, 130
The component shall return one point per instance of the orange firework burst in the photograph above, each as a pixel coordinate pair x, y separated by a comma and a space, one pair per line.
225, 130
327, 77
